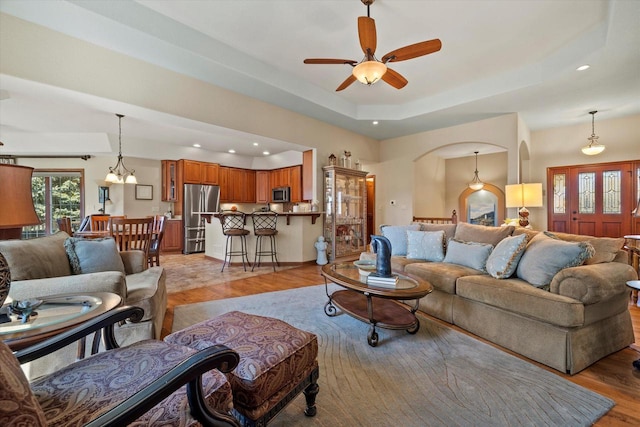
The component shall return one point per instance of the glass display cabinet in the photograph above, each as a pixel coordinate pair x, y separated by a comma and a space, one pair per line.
345, 199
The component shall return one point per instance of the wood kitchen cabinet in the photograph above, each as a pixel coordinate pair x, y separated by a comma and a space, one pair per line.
172, 239
223, 175
295, 182
263, 187
192, 172
249, 195
169, 181
210, 173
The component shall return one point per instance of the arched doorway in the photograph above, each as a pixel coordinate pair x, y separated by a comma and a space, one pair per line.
485, 206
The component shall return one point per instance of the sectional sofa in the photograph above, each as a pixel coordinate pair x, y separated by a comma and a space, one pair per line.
58, 264
559, 299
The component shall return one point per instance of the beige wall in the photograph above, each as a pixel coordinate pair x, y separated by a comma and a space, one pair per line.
561, 147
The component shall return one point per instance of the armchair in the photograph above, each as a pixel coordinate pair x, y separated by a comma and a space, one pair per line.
140, 384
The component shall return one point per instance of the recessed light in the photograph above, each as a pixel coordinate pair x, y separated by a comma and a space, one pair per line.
255, 144
266, 153
232, 151
197, 145
375, 122
583, 67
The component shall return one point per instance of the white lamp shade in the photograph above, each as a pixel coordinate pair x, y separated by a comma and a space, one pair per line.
111, 177
519, 195
593, 149
131, 179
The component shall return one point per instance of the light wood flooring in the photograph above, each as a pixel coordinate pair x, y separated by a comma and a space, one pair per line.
612, 376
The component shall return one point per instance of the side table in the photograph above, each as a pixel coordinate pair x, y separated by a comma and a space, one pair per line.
635, 284
57, 314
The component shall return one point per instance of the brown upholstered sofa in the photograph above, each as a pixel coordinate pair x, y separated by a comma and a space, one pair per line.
41, 267
577, 317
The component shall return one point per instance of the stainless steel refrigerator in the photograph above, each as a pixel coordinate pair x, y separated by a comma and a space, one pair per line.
197, 198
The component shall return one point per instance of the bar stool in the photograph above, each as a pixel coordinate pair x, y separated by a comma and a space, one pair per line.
233, 226
264, 225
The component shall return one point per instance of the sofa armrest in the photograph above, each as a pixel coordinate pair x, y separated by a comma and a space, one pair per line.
106, 281
134, 261
590, 284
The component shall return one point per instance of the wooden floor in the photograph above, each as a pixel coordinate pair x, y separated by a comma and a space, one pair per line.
612, 376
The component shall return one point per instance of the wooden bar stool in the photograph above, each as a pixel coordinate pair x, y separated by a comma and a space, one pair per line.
233, 226
265, 225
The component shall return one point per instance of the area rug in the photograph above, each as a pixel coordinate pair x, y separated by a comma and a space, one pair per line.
437, 377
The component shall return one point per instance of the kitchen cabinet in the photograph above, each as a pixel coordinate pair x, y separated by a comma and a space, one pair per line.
192, 172
295, 182
249, 194
210, 173
345, 201
172, 239
223, 175
263, 187
169, 181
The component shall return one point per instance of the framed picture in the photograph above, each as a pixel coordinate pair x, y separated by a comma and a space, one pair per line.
144, 192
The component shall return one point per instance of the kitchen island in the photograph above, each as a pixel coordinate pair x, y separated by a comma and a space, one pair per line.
297, 234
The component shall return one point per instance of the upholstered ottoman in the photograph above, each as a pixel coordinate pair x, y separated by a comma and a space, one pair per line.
277, 362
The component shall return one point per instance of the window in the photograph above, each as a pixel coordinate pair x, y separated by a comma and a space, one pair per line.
56, 194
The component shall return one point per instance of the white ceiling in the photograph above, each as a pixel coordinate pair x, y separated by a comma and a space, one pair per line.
498, 57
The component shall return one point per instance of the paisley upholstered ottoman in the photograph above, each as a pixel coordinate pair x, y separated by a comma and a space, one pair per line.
277, 362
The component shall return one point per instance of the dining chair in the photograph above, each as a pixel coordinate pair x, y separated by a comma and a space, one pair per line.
100, 222
64, 224
132, 233
142, 383
156, 240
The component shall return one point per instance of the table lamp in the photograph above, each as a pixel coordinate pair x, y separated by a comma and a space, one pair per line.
522, 195
17, 203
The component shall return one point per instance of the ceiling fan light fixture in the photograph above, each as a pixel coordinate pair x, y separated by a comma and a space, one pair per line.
593, 147
369, 72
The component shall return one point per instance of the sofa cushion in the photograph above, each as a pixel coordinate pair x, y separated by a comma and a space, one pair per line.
503, 261
400, 263
449, 229
481, 233
441, 275
397, 235
469, 254
519, 297
93, 255
606, 248
425, 245
546, 256
37, 258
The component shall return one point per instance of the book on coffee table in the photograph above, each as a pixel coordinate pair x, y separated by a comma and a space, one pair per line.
390, 282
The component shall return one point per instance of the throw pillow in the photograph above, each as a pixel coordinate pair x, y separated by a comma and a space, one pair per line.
482, 233
426, 245
503, 261
606, 248
469, 254
93, 255
546, 256
397, 235
449, 229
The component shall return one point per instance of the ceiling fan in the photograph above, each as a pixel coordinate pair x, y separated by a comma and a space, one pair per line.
371, 69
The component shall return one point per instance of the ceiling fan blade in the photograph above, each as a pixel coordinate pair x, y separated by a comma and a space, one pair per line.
394, 78
413, 51
329, 61
346, 83
367, 34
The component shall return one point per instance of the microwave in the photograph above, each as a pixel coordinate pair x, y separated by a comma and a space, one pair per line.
280, 194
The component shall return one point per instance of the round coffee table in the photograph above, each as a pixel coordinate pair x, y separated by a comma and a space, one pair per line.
55, 315
379, 306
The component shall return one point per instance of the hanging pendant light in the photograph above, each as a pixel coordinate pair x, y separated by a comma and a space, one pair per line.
476, 184
593, 147
119, 174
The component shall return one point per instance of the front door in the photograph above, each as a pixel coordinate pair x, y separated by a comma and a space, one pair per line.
595, 200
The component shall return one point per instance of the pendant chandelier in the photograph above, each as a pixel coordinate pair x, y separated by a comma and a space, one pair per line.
476, 184
119, 174
593, 147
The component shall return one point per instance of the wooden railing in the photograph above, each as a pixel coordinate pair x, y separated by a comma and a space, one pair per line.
435, 220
